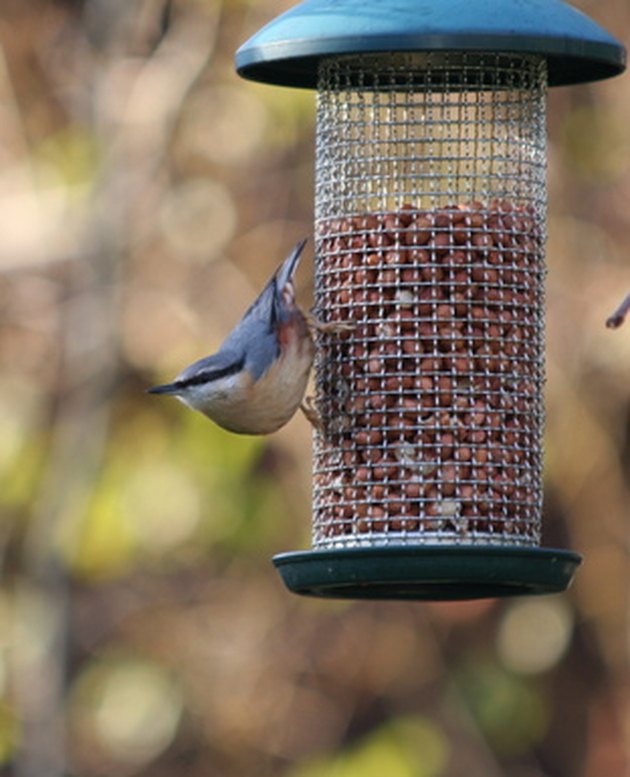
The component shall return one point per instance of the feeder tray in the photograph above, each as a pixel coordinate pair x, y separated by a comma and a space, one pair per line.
430, 227
427, 572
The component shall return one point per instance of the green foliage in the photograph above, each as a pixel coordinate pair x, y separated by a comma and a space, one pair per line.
72, 154
406, 747
511, 712
23, 443
9, 731
169, 494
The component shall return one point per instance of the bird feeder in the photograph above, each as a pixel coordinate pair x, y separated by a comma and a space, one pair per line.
430, 226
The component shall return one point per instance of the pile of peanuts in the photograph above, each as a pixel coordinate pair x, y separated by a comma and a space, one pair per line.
430, 402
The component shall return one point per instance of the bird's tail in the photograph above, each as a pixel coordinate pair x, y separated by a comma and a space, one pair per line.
279, 293
285, 272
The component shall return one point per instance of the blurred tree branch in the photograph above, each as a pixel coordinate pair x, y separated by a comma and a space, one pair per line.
133, 104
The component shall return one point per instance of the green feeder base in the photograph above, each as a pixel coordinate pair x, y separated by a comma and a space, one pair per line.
427, 572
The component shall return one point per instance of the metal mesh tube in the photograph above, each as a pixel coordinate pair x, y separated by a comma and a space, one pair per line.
430, 231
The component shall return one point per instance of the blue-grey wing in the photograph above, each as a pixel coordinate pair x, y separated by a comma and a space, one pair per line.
256, 333
253, 344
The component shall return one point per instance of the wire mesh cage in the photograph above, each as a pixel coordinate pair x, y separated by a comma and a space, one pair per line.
430, 225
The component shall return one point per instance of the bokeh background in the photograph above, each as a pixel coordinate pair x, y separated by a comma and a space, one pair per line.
146, 193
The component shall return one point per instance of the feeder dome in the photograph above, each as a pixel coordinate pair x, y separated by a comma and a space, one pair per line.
287, 51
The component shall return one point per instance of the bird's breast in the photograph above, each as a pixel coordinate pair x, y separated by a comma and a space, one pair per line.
264, 406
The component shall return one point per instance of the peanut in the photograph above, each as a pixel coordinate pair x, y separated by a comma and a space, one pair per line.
430, 406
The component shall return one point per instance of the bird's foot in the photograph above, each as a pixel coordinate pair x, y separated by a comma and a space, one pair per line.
309, 408
330, 327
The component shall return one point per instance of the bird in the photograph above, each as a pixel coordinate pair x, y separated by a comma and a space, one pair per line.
256, 381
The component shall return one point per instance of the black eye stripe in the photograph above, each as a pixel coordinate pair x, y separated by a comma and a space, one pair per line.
209, 376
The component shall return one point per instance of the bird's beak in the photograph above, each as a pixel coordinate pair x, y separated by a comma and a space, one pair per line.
166, 388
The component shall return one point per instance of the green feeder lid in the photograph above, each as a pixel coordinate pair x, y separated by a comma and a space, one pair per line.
428, 572
287, 50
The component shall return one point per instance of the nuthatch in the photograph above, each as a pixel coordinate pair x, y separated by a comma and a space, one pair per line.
256, 380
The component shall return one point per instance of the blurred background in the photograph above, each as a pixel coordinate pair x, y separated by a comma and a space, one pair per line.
143, 630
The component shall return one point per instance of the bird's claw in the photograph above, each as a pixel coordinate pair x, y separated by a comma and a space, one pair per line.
309, 408
331, 327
